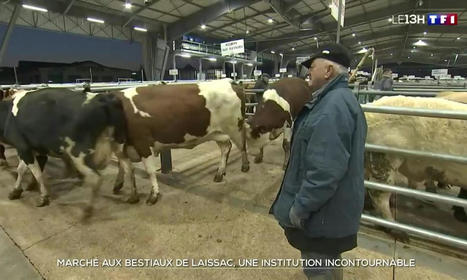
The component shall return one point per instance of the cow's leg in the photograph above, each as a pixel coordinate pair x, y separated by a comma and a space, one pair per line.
459, 212
384, 170
118, 185
2, 156
36, 169
259, 157
225, 147
91, 179
245, 162
42, 160
129, 177
17, 190
150, 164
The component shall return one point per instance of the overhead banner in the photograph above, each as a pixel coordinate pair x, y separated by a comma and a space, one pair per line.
233, 47
335, 10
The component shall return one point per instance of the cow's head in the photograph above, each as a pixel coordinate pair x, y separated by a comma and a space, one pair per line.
271, 116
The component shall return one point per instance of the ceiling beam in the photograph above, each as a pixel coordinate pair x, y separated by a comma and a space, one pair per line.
68, 7
244, 19
205, 15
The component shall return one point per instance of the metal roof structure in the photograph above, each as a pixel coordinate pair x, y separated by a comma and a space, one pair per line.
291, 27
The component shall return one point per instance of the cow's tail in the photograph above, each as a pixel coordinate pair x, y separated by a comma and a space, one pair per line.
115, 117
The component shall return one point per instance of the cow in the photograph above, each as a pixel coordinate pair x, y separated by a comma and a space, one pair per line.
295, 91
280, 105
85, 128
453, 96
445, 136
180, 116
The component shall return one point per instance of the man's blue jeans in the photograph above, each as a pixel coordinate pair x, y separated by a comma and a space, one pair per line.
326, 271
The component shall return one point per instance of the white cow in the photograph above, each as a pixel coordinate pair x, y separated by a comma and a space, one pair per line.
445, 136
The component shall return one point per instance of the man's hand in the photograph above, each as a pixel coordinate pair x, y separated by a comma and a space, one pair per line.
295, 219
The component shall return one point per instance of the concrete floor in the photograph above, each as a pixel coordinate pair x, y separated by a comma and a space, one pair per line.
194, 219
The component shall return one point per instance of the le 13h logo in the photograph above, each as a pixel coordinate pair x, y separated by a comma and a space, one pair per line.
430, 19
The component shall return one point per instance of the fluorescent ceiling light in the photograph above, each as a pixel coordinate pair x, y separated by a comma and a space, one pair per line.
293, 48
353, 34
270, 20
281, 54
424, 33
247, 31
273, 52
412, 51
128, 5
137, 28
233, 62
316, 38
203, 26
186, 55
95, 20
364, 50
35, 8
249, 64
420, 43
359, 43
212, 59
390, 19
458, 38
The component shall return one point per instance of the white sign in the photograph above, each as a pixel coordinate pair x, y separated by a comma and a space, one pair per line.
335, 10
223, 75
395, 75
278, 75
427, 77
283, 70
290, 76
173, 72
233, 74
411, 77
438, 72
257, 72
232, 47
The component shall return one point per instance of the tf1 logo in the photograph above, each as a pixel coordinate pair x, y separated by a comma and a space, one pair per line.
442, 19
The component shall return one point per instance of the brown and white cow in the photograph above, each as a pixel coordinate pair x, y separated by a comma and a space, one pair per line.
180, 116
280, 105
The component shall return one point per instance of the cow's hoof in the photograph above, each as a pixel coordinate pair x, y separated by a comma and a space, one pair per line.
218, 178
459, 214
152, 199
133, 199
399, 235
258, 160
87, 212
118, 188
43, 201
15, 194
245, 168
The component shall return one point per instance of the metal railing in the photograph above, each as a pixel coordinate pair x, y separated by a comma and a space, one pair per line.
431, 235
435, 236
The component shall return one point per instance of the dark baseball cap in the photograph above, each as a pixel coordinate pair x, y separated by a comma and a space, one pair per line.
333, 52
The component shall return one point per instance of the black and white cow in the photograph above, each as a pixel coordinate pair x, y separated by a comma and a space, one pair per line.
85, 128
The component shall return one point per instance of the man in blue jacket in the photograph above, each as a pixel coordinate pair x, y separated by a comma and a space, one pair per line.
321, 197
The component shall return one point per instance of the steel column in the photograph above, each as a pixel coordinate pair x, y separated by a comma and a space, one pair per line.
6, 37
